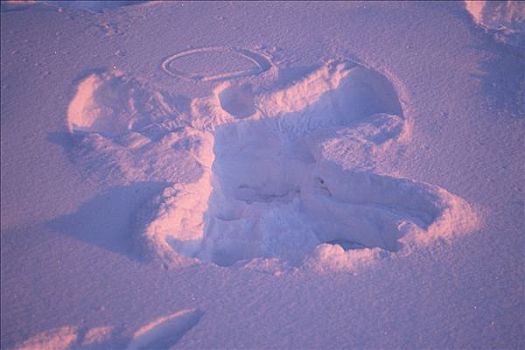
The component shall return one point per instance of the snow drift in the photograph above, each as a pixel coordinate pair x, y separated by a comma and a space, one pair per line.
505, 19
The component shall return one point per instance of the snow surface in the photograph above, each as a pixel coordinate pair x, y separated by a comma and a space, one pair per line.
506, 19
262, 175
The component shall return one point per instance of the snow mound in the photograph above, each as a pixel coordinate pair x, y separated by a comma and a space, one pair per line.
272, 184
97, 336
164, 332
55, 339
161, 333
505, 19
123, 126
111, 105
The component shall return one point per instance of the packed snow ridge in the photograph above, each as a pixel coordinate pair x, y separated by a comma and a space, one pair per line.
161, 333
505, 19
286, 175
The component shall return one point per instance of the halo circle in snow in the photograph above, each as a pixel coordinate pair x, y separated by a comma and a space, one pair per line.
260, 61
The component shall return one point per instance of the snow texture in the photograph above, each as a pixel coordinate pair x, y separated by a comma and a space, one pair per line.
504, 19
262, 175
162, 333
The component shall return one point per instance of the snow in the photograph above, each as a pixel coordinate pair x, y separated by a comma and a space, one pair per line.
506, 19
269, 166
60, 339
165, 331
262, 175
217, 58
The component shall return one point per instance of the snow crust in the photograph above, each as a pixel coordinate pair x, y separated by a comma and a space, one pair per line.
92, 6
161, 333
55, 339
164, 331
260, 175
505, 19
